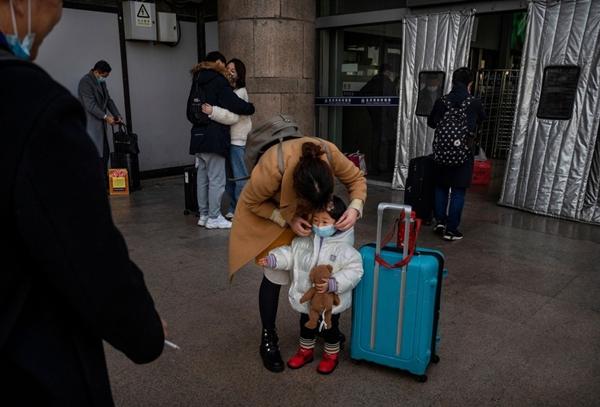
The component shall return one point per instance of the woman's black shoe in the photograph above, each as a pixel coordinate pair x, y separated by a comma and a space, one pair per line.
269, 351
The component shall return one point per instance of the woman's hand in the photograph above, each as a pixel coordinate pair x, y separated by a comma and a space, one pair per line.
301, 226
323, 286
207, 109
263, 262
347, 220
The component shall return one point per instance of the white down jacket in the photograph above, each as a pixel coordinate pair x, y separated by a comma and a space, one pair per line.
307, 252
240, 125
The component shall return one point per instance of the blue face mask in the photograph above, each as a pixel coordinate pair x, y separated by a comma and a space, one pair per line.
20, 49
324, 231
101, 79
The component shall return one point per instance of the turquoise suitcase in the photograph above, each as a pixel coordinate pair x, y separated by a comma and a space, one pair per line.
395, 312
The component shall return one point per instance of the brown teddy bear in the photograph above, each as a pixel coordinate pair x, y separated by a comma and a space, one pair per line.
319, 302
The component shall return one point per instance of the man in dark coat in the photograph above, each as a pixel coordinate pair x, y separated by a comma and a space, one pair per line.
210, 141
452, 181
66, 281
383, 121
99, 107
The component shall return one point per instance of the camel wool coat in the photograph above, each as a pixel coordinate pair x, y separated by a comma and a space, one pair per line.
267, 189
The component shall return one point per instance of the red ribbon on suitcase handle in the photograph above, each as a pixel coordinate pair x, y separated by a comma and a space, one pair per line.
415, 228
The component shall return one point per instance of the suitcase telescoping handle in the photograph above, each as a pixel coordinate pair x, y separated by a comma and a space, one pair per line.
381, 208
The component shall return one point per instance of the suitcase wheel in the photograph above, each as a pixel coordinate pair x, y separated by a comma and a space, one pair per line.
435, 359
421, 378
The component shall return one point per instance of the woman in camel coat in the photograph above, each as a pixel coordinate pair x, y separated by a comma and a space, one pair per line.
268, 215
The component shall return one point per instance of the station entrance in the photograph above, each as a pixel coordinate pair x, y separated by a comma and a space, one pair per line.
496, 50
358, 86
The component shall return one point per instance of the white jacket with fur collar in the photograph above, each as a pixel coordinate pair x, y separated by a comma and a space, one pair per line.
307, 252
240, 125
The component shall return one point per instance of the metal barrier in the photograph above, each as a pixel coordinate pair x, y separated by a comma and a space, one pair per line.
497, 89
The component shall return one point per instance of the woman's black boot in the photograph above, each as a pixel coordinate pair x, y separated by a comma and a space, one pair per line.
269, 351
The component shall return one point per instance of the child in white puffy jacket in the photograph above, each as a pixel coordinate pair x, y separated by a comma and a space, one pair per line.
325, 246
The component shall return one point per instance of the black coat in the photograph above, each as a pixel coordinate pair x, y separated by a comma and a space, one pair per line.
66, 281
459, 176
214, 137
383, 119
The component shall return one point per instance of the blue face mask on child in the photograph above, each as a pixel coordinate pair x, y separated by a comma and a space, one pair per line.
324, 231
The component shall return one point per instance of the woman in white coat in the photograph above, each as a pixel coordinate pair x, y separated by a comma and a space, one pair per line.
325, 246
240, 127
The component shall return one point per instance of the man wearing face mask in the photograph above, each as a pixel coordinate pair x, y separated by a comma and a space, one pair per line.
99, 107
66, 283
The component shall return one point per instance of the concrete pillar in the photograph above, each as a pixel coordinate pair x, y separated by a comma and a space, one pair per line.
276, 41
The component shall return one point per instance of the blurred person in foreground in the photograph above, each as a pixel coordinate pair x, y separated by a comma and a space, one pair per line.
66, 282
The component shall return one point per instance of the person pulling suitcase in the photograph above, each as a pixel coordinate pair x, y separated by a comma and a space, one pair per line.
454, 117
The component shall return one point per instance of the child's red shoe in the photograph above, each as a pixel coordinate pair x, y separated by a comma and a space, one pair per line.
328, 363
302, 357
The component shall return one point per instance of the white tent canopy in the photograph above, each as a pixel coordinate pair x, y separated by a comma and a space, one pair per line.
430, 43
554, 163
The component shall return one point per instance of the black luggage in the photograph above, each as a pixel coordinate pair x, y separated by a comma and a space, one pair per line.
190, 188
123, 141
131, 162
420, 187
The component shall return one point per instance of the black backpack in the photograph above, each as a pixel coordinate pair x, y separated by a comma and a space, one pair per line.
194, 105
452, 136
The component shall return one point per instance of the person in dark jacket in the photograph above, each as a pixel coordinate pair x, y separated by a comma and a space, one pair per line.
99, 107
210, 142
66, 281
383, 121
452, 181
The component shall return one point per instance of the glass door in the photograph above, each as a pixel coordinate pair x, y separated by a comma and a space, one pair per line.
359, 92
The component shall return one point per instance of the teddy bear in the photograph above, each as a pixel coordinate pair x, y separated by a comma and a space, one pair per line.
320, 303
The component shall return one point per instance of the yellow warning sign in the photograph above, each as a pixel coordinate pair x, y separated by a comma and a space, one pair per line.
142, 17
118, 181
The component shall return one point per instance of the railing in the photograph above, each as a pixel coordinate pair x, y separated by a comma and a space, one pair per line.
497, 89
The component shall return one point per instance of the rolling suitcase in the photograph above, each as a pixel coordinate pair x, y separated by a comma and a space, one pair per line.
131, 163
420, 187
395, 311
190, 188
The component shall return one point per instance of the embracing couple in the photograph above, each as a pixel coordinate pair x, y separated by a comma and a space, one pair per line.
220, 113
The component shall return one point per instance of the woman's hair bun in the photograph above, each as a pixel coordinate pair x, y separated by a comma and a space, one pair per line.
313, 178
311, 150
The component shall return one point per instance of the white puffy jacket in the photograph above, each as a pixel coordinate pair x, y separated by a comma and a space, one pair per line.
307, 252
240, 125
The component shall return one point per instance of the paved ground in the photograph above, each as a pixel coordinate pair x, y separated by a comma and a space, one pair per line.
520, 316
